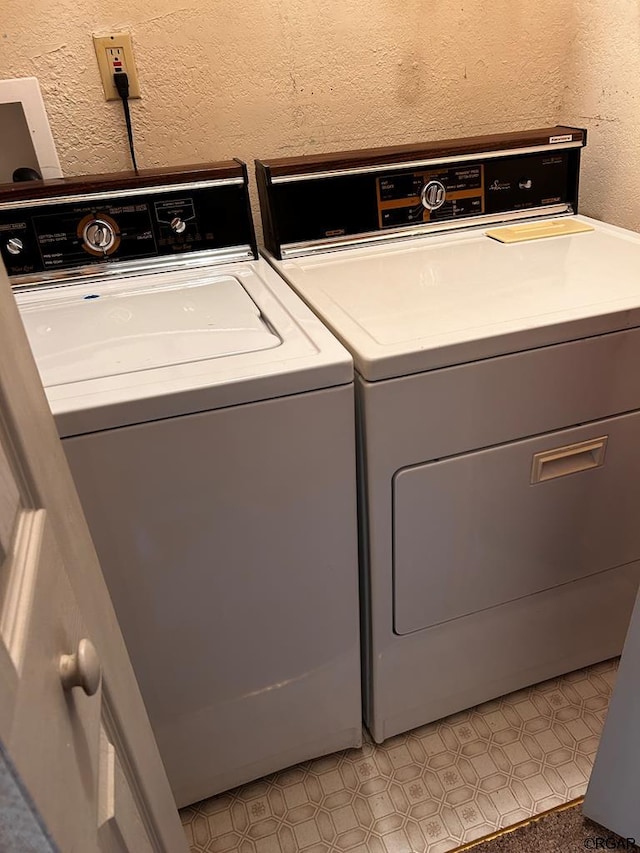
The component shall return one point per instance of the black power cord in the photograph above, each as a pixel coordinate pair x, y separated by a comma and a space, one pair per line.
121, 82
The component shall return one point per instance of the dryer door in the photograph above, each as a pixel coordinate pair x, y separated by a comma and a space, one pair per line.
484, 528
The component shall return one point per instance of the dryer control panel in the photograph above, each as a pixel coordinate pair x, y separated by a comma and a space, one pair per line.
429, 195
52, 226
332, 200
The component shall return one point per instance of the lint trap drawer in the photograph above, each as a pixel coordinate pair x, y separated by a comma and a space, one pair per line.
484, 528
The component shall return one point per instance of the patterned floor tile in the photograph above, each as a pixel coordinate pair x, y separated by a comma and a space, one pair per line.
427, 791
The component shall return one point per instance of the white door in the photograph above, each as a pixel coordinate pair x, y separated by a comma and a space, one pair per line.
613, 795
79, 767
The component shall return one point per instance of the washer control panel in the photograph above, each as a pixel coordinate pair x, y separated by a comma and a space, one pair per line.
57, 231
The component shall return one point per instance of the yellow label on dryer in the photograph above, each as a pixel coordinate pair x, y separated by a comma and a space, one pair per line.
538, 230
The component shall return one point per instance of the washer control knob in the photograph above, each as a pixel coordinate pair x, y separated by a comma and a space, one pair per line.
14, 245
433, 195
99, 235
178, 225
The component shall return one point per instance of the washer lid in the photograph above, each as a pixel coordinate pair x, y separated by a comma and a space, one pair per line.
431, 302
264, 343
90, 331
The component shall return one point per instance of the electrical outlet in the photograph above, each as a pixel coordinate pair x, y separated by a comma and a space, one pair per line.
115, 56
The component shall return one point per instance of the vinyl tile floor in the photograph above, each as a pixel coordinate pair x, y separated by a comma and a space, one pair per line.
427, 791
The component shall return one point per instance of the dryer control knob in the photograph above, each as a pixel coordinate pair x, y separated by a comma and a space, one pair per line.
99, 235
14, 245
178, 225
433, 195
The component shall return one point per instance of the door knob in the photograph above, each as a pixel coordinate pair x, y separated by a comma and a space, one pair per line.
81, 669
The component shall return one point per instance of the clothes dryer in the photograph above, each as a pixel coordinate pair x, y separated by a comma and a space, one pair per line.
494, 333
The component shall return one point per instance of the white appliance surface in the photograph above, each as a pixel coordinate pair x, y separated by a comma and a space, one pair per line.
473, 357
163, 344
208, 419
89, 332
424, 303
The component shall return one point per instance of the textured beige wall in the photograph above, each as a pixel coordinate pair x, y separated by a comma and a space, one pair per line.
602, 94
277, 77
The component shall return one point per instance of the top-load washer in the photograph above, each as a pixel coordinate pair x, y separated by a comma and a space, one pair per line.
208, 419
494, 334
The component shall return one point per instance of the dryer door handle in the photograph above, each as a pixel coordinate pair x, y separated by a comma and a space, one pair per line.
551, 464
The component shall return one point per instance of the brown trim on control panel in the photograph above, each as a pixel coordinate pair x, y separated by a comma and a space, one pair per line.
423, 151
267, 216
121, 180
252, 228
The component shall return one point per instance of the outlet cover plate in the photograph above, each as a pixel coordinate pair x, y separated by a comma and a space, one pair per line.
102, 46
